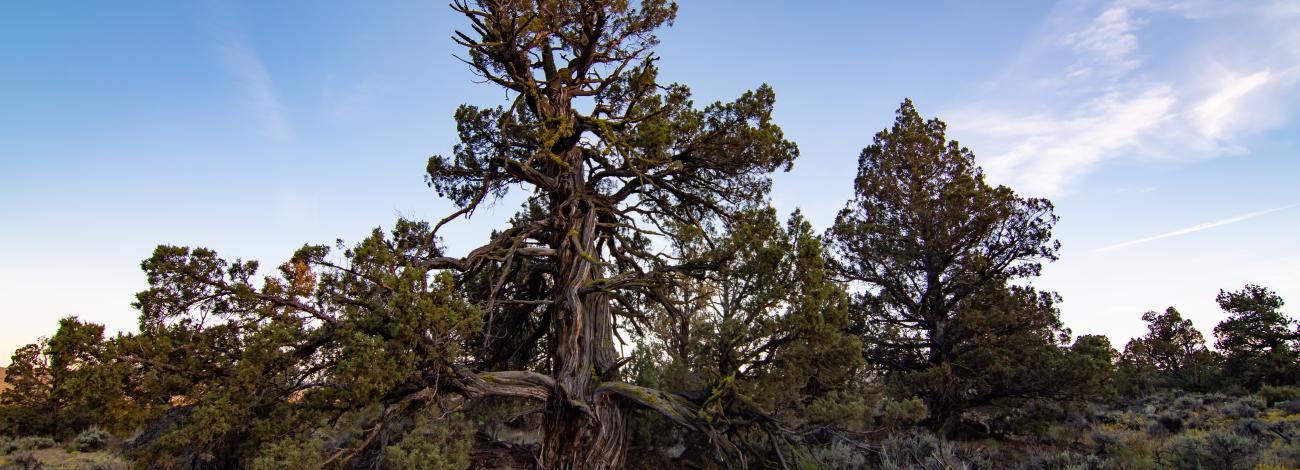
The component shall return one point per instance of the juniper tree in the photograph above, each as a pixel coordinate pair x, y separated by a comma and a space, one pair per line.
611, 158
356, 346
1171, 355
60, 385
611, 161
768, 322
1261, 345
923, 237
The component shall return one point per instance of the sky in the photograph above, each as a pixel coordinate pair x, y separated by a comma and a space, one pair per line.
1166, 133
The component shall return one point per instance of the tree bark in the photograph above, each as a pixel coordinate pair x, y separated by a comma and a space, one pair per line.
582, 430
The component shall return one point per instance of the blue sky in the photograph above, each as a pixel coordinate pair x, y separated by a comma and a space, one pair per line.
1167, 133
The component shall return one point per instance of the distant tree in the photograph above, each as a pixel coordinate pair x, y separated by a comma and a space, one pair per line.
1091, 363
1261, 345
925, 236
61, 385
1171, 355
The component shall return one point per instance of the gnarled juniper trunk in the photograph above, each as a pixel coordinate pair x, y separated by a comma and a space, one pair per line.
581, 431
605, 181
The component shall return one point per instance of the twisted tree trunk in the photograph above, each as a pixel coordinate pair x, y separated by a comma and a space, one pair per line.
582, 430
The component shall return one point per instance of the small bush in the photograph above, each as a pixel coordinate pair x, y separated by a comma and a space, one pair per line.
904, 413
1189, 402
1124, 449
1064, 460
91, 439
1252, 428
1247, 407
1217, 450
1107, 442
1171, 422
431, 444
290, 453
1291, 407
1212, 398
1272, 394
26, 461
921, 451
836, 455
26, 443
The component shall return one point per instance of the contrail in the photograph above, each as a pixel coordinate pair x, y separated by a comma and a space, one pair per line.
1194, 228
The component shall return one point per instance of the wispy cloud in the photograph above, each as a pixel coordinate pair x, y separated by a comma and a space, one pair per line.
1085, 91
1193, 229
251, 75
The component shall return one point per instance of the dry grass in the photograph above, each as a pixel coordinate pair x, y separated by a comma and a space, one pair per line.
59, 458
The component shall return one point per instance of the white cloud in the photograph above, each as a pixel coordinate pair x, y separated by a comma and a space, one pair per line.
1108, 43
243, 63
1213, 115
1087, 92
1193, 229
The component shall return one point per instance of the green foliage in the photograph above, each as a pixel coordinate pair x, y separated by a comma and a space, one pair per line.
1216, 450
292, 452
936, 246
1274, 394
834, 456
257, 361
28, 443
1125, 448
1260, 344
903, 413
63, 384
27, 461
1063, 460
432, 444
770, 319
1171, 355
91, 439
920, 450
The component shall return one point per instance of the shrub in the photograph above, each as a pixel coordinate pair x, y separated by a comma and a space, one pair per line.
1212, 398
1247, 407
1064, 460
1217, 450
836, 455
1124, 449
1254, 401
1291, 407
1171, 422
1189, 402
91, 439
1106, 442
26, 461
291, 453
431, 444
1273, 394
1251, 427
904, 413
921, 451
27, 443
